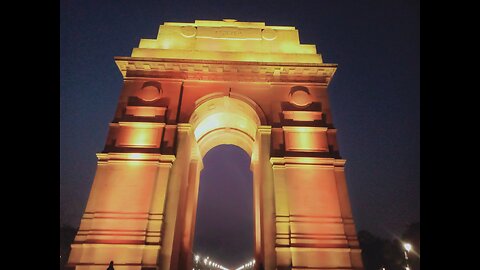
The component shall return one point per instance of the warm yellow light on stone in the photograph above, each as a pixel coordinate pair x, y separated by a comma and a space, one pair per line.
202, 84
228, 40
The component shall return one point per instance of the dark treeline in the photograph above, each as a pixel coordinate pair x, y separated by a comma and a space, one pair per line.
376, 252
389, 253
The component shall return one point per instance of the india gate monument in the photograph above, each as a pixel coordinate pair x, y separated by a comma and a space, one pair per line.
199, 85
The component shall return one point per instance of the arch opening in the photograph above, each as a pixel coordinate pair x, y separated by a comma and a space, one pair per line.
224, 227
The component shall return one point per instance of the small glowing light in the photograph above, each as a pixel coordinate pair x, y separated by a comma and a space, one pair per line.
407, 246
197, 258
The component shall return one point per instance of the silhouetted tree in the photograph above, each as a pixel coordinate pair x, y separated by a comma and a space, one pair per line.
378, 252
393, 255
372, 250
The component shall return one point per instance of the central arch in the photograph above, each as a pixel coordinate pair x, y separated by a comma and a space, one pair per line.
219, 120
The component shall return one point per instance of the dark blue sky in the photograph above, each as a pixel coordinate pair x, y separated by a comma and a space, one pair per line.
375, 93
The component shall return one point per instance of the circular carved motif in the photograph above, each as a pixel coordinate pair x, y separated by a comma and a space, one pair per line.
300, 96
188, 31
150, 91
269, 34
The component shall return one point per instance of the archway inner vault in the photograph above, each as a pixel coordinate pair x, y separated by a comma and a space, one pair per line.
224, 120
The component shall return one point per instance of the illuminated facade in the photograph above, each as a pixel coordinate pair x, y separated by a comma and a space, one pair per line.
199, 85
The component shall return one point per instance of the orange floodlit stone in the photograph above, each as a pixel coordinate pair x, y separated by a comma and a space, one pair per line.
202, 84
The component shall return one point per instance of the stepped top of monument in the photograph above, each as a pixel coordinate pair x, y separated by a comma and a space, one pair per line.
228, 40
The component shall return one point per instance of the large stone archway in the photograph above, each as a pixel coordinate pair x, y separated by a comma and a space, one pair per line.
198, 85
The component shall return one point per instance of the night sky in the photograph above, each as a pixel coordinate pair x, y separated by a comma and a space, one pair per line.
374, 95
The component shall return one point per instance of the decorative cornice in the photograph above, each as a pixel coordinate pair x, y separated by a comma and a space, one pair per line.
315, 161
128, 157
184, 127
225, 70
139, 124
265, 129
304, 128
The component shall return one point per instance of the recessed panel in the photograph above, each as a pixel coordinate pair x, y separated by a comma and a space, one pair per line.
306, 139
143, 137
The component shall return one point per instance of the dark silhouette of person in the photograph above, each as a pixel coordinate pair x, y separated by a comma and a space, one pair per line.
110, 266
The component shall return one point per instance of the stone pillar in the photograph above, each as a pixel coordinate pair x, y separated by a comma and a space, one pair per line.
156, 217
311, 230
263, 200
257, 208
347, 217
175, 204
186, 255
282, 218
124, 216
314, 224
268, 205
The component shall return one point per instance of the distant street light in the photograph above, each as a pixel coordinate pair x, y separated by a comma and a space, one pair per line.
407, 247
